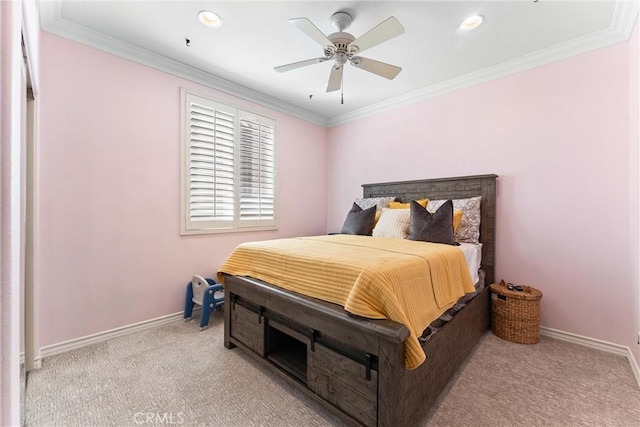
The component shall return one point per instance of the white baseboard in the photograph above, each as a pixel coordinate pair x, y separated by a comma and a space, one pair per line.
37, 363
634, 366
77, 343
63, 347
620, 350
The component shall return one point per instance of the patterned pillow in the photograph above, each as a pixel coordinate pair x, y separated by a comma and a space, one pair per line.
393, 223
378, 202
469, 229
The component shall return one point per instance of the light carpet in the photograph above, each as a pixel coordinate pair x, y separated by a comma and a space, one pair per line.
178, 375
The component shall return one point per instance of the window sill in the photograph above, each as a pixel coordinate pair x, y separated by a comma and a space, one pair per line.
227, 230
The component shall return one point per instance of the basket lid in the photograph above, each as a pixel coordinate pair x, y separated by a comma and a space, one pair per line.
527, 293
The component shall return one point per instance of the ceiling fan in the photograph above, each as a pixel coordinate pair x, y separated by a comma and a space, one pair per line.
341, 47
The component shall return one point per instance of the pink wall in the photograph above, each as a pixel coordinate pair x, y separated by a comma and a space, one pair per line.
109, 249
558, 138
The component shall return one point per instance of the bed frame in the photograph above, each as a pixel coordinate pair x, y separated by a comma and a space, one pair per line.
353, 366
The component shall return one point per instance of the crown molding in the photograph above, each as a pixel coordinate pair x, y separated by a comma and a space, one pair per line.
53, 22
625, 16
622, 23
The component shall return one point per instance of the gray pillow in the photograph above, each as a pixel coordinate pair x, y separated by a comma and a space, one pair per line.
469, 228
359, 221
436, 227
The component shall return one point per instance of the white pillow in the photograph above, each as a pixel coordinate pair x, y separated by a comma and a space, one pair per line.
393, 223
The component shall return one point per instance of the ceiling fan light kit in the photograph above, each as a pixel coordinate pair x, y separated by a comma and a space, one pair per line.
342, 48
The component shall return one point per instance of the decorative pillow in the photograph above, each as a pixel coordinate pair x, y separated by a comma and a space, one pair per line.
393, 223
359, 221
457, 217
378, 202
399, 205
469, 229
375, 221
436, 227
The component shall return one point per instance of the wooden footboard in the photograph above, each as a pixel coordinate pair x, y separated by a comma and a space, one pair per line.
353, 366
329, 354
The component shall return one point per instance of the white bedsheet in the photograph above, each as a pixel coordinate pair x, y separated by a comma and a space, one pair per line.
473, 256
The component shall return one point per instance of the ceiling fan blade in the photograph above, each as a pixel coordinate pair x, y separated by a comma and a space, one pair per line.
335, 78
382, 69
312, 31
384, 31
299, 64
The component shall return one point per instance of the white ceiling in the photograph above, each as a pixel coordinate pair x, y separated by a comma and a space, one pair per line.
256, 36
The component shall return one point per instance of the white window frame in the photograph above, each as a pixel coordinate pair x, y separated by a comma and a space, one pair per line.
237, 224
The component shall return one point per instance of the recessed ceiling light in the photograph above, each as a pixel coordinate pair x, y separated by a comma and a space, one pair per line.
210, 19
472, 22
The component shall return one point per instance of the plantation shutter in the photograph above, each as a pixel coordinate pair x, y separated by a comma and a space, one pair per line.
228, 169
257, 182
211, 173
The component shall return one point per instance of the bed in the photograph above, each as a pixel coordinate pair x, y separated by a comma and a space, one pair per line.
355, 366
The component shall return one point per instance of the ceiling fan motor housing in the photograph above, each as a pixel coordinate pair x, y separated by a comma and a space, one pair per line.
340, 49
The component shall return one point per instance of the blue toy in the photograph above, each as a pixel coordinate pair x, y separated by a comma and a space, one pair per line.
203, 291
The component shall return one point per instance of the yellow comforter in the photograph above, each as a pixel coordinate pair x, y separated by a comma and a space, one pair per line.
409, 282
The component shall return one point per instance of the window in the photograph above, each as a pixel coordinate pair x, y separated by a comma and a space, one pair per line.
228, 168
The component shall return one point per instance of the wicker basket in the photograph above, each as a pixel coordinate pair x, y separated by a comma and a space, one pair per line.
515, 315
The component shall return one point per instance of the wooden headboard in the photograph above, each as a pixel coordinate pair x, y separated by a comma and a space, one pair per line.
452, 188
